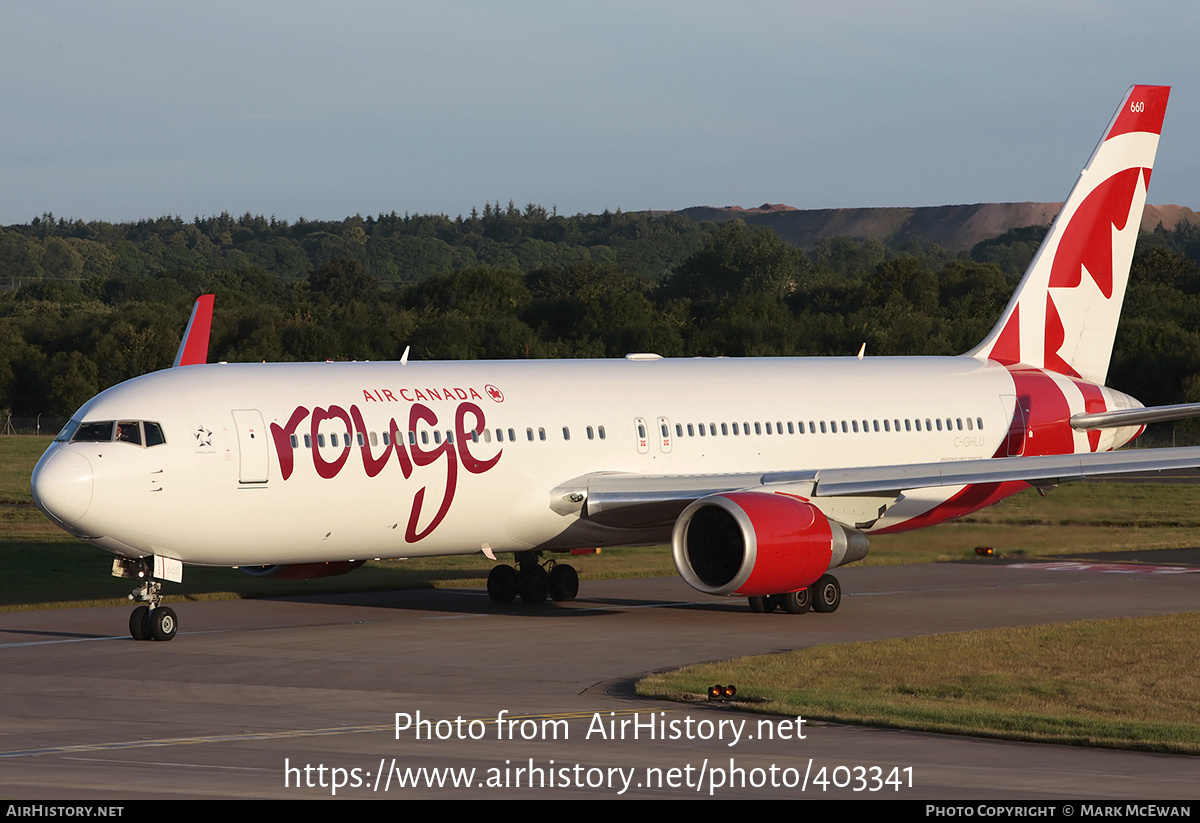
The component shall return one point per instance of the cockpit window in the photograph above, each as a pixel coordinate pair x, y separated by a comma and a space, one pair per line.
94, 432
129, 431
154, 434
67, 431
106, 431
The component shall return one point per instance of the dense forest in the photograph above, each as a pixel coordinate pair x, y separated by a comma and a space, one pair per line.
391, 248
84, 306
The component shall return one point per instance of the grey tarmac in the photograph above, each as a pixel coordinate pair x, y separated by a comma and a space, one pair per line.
249, 686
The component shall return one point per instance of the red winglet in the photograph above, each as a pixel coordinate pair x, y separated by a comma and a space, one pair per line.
193, 348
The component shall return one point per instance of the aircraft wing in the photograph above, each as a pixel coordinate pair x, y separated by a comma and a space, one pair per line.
635, 500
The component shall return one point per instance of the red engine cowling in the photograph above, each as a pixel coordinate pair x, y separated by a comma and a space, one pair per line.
303, 571
756, 543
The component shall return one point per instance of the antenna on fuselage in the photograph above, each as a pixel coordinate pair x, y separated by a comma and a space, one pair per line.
404, 357
862, 350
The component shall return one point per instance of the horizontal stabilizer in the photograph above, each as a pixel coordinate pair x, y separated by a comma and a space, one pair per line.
1135, 417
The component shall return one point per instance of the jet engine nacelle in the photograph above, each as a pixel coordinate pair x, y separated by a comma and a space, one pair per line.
758, 543
303, 571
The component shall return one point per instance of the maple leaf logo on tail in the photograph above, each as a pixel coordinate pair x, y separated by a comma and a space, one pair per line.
1063, 316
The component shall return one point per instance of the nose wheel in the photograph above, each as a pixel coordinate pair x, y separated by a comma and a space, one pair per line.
152, 621
153, 624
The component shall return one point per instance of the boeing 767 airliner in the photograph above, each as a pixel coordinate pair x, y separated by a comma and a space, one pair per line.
763, 473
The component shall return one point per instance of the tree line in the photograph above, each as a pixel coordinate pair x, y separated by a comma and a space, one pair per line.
740, 291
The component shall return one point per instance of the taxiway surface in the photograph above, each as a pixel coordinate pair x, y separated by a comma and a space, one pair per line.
255, 697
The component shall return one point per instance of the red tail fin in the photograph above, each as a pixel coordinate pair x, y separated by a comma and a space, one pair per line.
1063, 316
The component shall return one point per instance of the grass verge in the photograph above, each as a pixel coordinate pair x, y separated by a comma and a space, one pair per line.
1127, 683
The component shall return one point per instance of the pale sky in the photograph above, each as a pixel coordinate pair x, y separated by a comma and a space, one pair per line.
125, 110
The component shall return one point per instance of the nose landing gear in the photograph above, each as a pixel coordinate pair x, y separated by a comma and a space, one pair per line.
153, 621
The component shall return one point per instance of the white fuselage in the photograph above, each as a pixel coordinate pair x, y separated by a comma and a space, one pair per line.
482, 447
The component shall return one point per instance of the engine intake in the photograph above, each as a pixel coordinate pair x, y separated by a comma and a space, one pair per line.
756, 543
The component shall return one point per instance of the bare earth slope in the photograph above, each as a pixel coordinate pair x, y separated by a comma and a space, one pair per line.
956, 228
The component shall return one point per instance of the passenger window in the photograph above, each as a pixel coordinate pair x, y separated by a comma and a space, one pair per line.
295, 440
600, 430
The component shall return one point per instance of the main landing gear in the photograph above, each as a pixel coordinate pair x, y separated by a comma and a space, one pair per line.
153, 621
533, 582
823, 596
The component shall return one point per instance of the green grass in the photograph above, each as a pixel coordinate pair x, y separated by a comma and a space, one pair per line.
1129, 683
18, 455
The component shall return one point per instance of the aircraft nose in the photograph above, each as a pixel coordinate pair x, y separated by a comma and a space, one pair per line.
62, 485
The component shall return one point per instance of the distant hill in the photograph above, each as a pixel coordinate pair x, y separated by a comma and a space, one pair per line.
957, 228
